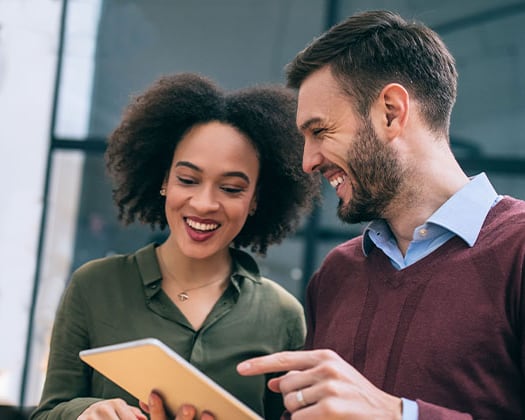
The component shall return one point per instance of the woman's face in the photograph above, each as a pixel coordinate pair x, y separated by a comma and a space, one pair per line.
210, 189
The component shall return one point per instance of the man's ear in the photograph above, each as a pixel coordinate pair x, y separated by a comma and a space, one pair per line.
390, 111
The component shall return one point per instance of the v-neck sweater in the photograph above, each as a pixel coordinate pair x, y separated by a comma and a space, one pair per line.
446, 331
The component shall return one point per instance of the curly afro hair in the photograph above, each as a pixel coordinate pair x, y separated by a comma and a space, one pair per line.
140, 152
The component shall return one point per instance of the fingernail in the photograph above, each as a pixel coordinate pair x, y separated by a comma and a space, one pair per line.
244, 366
207, 415
185, 410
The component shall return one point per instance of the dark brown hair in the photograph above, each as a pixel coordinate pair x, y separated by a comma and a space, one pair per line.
371, 49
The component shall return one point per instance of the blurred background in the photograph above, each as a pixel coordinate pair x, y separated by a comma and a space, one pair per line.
68, 67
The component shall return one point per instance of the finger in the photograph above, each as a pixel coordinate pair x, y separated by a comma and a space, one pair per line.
139, 415
290, 381
129, 413
116, 408
156, 408
295, 380
298, 400
275, 384
186, 412
206, 415
144, 406
278, 362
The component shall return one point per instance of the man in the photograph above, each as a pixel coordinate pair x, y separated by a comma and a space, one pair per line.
421, 316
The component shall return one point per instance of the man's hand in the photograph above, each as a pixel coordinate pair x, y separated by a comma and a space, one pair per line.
111, 409
157, 411
321, 385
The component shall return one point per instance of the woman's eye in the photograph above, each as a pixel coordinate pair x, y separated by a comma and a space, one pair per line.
232, 190
186, 181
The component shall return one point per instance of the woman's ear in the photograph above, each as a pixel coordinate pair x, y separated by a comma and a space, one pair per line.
391, 110
163, 187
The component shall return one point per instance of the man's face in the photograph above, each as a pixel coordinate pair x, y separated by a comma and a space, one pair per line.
346, 150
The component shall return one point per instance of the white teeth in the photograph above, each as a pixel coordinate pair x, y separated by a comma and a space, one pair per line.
335, 182
201, 226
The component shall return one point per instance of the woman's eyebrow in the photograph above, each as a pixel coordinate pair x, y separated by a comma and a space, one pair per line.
238, 174
190, 165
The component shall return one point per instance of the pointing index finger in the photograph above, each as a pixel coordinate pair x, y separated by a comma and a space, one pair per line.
278, 362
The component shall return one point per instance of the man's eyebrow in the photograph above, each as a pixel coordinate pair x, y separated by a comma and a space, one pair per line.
237, 174
308, 123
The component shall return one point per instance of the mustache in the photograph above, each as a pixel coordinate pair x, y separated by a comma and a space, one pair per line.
328, 167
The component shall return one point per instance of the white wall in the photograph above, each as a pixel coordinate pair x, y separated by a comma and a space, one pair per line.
28, 50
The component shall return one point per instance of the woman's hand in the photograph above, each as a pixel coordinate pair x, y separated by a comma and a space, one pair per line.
156, 410
115, 409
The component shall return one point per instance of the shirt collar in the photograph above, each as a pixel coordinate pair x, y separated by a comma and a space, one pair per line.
148, 265
244, 266
462, 214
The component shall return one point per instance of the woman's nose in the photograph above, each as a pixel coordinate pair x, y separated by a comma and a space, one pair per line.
204, 200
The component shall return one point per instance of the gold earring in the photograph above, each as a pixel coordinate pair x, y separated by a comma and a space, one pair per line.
163, 191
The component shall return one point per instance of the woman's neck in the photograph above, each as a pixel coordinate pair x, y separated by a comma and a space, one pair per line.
190, 272
193, 285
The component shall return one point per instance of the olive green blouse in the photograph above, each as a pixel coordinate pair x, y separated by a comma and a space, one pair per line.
119, 298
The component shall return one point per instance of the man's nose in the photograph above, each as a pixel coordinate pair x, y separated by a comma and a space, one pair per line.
312, 156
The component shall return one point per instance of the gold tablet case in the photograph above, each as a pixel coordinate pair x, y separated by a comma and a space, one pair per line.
142, 366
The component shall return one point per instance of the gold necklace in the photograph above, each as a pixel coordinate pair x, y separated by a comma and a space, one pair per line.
183, 295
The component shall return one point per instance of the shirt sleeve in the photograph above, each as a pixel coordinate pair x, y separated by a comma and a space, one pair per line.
274, 404
427, 411
410, 410
67, 377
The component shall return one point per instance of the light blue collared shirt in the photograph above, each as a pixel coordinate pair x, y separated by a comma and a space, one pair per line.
463, 214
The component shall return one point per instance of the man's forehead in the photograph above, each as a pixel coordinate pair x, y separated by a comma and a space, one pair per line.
317, 96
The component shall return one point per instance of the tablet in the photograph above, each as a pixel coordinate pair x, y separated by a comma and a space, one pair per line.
142, 366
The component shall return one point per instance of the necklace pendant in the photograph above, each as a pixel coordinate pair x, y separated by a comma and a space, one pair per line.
183, 296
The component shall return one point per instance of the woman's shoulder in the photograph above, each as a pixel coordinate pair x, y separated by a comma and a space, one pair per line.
102, 265
277, 293
267, 290
112, 266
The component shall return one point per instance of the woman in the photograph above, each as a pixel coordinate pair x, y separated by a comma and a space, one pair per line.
222, 171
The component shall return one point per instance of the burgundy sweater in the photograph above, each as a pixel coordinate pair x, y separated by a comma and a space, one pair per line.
447, 331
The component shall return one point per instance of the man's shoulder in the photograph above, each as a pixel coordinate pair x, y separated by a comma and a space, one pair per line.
508, 212
349, 249
344, 257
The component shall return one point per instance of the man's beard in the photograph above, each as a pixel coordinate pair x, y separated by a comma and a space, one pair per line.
377, 176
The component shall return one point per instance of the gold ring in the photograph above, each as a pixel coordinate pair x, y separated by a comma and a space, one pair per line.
300, 398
